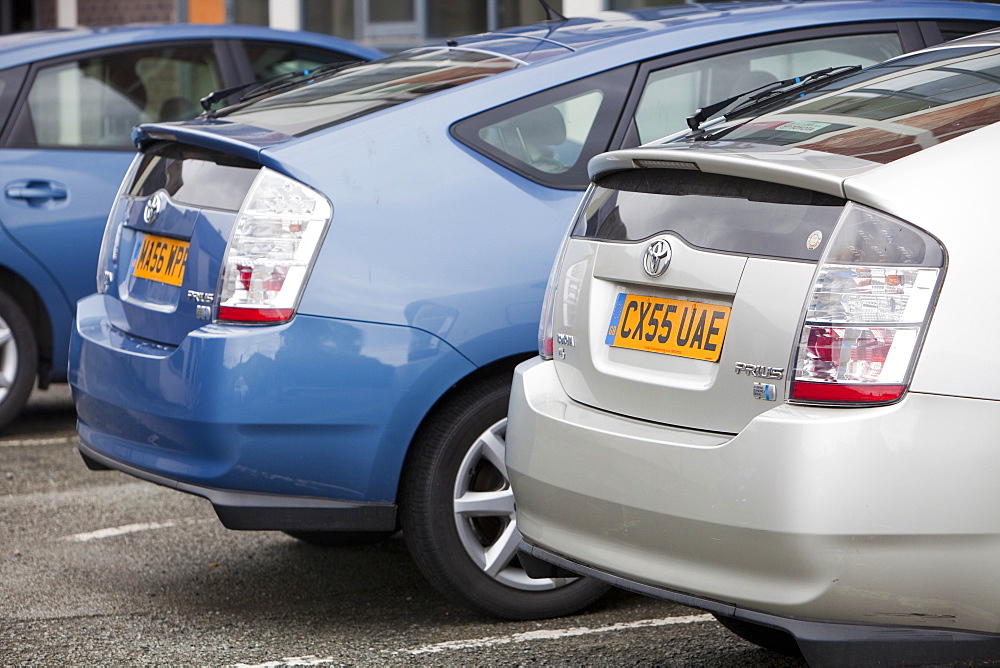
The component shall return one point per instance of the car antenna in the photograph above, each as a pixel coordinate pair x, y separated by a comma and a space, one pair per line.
551, 14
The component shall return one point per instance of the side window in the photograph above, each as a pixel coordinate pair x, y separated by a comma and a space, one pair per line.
271, 60
672, 94
549, 137
95, 101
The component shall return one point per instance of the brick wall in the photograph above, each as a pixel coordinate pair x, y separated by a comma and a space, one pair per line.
111, 12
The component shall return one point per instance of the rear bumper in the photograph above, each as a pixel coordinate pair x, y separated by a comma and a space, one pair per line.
263, 512
884, 517
302, 426
825, 643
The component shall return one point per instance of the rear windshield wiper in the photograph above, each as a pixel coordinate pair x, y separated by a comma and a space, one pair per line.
770, 92
258, 88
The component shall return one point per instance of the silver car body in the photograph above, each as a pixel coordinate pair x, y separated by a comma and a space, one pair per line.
699, 482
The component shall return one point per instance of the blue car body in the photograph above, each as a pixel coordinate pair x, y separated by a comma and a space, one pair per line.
429, 281
56, 196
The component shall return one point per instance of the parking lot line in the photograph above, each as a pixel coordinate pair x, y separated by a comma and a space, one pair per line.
490, 641
111, 532
23, 442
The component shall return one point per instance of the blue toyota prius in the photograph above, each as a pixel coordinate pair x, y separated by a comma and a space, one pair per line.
309, 304
68, 102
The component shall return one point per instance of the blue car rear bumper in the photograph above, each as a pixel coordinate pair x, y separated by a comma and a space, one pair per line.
302, 426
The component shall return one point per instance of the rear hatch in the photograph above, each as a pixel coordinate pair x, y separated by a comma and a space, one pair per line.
683, 290
167, 237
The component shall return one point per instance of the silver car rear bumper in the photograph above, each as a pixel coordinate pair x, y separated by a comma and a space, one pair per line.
877, 516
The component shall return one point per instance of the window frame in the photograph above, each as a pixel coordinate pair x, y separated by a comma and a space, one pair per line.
933, 31
14, 79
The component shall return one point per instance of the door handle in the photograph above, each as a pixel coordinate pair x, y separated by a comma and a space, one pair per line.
36, 192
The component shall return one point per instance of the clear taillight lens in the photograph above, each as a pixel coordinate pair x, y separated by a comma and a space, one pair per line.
272, 249
869, 307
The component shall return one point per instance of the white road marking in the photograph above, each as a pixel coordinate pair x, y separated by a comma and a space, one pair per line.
111, 532
491, 641
552, 634
24, 442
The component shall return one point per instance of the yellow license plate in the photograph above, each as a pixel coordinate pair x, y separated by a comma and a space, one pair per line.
160, 259
668, 326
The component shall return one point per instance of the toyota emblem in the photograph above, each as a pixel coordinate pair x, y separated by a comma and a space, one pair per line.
656, 259
154, 205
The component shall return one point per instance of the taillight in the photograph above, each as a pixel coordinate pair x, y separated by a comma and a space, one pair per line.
546, 345
107, 259
868, 310
274, 243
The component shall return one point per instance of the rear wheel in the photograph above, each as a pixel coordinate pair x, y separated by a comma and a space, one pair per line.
457, 513
18, 359
767, 637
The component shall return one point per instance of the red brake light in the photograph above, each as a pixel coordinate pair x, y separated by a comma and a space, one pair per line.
274, 243
871, 300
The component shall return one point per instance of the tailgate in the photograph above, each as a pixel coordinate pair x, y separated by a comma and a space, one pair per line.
682, 293
167, 237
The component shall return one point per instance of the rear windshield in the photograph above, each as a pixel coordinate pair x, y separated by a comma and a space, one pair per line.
891, 110
709, 211
193, 176
367, 88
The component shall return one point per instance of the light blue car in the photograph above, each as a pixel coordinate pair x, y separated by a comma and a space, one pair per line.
309, 304
68, 102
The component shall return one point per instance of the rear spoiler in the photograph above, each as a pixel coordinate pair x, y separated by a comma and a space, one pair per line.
787, 165
244, 141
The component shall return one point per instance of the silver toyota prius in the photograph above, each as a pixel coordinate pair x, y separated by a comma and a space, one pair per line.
765, 385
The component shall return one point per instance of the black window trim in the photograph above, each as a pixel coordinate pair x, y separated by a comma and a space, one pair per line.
15, 78
933, 31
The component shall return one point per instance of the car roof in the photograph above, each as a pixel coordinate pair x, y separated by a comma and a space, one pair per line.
700, 21
27, 47
564, 50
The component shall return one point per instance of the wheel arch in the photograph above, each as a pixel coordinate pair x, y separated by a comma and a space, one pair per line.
503, 366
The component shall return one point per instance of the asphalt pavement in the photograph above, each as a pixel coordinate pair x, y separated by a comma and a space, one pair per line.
97, 568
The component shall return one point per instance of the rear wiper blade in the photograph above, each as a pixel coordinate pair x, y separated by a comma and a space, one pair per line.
770, 92
258, 88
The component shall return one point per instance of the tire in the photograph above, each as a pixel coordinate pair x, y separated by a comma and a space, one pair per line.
18, 359
469, 554
767, 637
340, 538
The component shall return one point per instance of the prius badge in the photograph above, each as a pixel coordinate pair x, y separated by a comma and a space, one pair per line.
154, 205
656, 259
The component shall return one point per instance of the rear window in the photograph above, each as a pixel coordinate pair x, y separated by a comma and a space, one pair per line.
891, 110
367, 88
194, 176
710, 211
